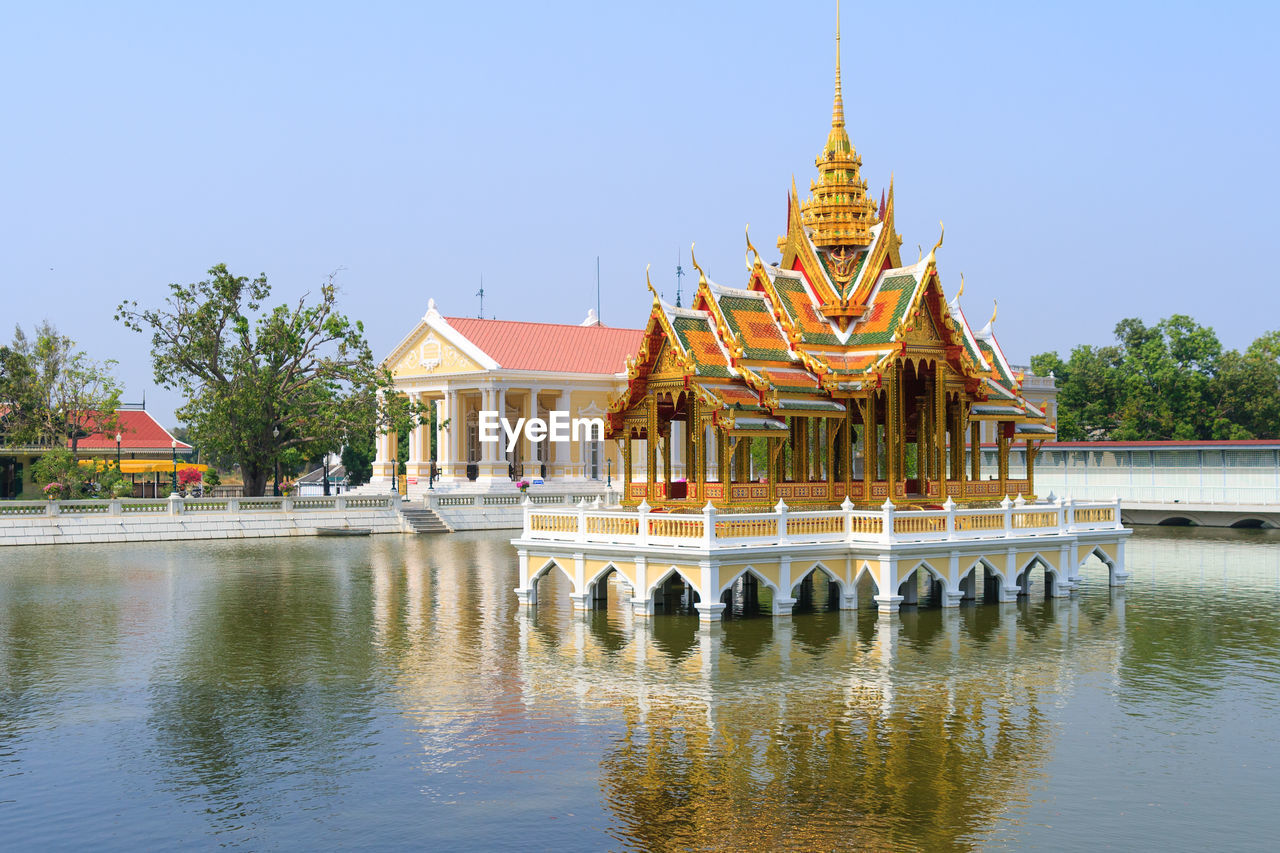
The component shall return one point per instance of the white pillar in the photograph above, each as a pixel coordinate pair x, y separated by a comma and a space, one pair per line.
381, 476
450, 411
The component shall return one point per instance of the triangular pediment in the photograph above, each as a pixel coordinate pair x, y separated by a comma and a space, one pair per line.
429, 354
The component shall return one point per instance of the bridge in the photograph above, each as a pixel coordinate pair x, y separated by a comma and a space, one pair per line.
1207, 483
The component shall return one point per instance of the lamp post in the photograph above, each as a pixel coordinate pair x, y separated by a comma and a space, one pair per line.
326, 475
173, 486
608, 473
275, 490
118, 437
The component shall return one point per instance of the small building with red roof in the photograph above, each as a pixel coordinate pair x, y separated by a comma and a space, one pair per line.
462, 366
140, 443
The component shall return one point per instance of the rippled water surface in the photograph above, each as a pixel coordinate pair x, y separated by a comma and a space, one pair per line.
389, 692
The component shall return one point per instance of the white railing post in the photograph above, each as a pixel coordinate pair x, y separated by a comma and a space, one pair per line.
1115, 522
1007, 506
525, 506
1068, 514
846, 506
339, 501
887, 511
286, 504
52, 508
708, 525
582, 520
114, 506
642, 529
781, 509
950, 508
175, 504
233, 504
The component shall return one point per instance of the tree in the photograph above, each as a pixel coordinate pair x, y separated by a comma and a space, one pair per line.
357, 458
260, 382
1172, 380
52, 392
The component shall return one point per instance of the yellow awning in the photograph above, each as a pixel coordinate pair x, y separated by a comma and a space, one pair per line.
144, 466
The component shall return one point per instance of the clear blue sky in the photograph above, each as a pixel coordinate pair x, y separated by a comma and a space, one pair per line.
1091, 161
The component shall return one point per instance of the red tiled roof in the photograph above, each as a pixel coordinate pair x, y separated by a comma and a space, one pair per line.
517, 345
138, 431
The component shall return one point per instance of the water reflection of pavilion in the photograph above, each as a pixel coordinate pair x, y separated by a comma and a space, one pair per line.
788, 733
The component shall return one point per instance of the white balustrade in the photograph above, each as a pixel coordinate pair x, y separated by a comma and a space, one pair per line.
711, 528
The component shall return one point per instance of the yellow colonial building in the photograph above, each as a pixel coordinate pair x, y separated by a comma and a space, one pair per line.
463, 366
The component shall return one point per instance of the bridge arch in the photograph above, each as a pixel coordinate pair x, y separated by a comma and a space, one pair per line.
1096, 551
535, 579
865, 574
805, 590
908, 586
744, 586
666, 588
994, 580
1250, 523
597, 587
1053, 580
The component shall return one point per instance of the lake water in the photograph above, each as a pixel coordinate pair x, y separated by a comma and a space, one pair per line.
389, 692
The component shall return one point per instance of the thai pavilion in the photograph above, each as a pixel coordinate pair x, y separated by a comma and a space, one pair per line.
827, 417
837, 372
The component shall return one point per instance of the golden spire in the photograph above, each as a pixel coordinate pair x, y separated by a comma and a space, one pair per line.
839, 213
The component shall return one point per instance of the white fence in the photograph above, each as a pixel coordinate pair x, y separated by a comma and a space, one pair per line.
710, 529
1227, 475
537, 498
177, 505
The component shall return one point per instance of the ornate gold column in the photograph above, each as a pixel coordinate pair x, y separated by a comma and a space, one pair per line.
722, 461
940, 425
975, 458
626, 465
1002, 458
892, 439
1031, 464
651, 448
771, 462
870, 447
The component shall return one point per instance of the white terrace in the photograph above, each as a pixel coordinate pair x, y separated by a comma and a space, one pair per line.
707, 553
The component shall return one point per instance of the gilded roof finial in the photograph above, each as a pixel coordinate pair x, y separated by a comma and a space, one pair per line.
995, 307
650, 283
837, 108
702, 276
751, 250
960, 292
839, 212
936, 246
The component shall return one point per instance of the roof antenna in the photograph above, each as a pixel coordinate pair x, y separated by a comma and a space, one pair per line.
679, 275
598, 291
480, 293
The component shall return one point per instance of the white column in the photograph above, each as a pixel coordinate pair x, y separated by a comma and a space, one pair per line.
416, 468
381, 475
448, 439
442, 452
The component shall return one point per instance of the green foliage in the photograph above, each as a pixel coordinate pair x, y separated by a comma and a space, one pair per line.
212, 478
1168, 381
260, 382
357, 457
50, 392
58, 466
